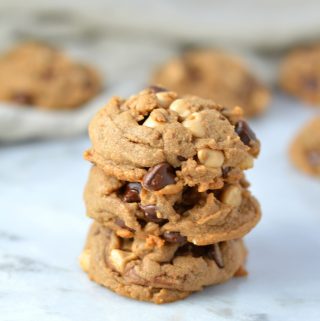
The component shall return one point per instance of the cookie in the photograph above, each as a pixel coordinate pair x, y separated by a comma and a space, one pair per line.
215, 75
305, 148
199, 217
185, 141
300, 74
168, 272
35, 74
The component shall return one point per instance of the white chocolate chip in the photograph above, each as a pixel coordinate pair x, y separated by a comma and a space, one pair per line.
154, 120
150, 122
165, 98
181, 107
119, 259
84, 260
210, 158
232, 196
246, 163
193, 123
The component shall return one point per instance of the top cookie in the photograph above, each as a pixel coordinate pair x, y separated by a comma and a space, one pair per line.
166, 141
305, 148
38, 75
300, 74
215, 75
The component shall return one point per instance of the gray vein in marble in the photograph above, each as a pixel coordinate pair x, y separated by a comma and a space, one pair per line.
9, 237
15, 263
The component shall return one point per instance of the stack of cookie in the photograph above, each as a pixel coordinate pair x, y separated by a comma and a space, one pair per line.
168, 195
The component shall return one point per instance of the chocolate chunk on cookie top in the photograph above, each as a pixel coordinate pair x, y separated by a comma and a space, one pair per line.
166, 141
305, 148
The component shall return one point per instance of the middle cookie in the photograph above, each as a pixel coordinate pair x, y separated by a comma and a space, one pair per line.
199, 217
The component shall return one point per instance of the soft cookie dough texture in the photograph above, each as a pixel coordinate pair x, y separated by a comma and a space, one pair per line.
168, 273
305, 148
36, 74
215, 75
300, 74
168, 195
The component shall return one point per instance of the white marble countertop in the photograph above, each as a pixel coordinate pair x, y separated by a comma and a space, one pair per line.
43, 227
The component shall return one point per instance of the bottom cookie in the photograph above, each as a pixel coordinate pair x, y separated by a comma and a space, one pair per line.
157, 271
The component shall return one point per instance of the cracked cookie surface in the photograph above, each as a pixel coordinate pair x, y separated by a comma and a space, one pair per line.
35, 74
215, 75
305, 148
163, 273
157, 134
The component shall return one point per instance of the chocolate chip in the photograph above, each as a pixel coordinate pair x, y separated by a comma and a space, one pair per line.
158, 177
181, 158
191, 249
141, 121
215, 254
22, 98
132, 193
226, 171
248, 88
47, 74
311, 84
194, 73
158, 89
212, 252
314, 157
174, 237
150, 212
190, 197
122, 224
87, 83
245, 132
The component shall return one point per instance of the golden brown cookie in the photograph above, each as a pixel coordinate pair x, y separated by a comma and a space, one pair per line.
305, 148
300, 74
188, 141
199, 217
215, 75
37, 75
159, 273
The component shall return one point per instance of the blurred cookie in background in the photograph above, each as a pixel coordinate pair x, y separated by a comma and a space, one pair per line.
300, 74
305, 148
215, 75
36, 74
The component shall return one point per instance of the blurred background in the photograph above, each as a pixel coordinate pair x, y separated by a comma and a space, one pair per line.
42, 173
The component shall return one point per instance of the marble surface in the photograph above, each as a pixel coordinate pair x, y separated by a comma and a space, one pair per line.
43, 227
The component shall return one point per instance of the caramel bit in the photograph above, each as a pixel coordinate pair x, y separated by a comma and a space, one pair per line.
124, 233
154, 241
241, 272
